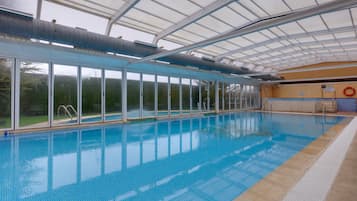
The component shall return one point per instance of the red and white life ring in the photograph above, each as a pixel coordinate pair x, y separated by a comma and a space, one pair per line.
349, 91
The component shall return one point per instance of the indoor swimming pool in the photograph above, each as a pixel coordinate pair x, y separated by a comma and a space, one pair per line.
216, 157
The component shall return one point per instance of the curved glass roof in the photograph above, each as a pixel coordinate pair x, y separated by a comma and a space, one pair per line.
328, 36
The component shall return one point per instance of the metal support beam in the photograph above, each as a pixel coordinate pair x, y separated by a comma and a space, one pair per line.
122, 11
325, 42
289, 37
39, 9
312, 79
192, 18
349, 65
258, 26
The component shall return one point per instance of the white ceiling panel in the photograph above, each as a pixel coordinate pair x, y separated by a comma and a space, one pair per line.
298, 4
337, 19
273, 7
231, 17
313, 24
217, 25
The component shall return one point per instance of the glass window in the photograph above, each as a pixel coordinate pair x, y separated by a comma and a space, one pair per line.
113, 95
149, 95
65, 94
195, 95
212, 96
5, 92
226, 95
162, 82
185, 95
237, 91
205, 94
91, 95
133, 96
33, 94
175, 95
221, 96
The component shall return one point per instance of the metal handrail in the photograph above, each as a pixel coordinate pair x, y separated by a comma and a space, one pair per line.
66, 111
72, 108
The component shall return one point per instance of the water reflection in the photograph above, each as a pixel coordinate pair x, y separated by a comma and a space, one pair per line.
209, 158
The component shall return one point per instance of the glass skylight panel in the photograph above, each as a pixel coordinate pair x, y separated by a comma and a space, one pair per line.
352, 42
230, 17
168, 45
215, 49
277, 31
227, 45
241, 41
313, 24
130, 34
182, 6
148, 19
249, 52
264, 56
337, 19
241, 10
201, 30
345, 34
211, 22
324, 37
202, 3
268, 33
255, 9
238, 55
134, 24
73, 18
306, 39
158, 10
298, 4
274, 45
272, 6
192, 37
291, 28
256, 37
330, 44
261, 49
275, 53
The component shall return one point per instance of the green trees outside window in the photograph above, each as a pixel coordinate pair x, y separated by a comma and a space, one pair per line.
195, 95
175, 94
162, 94
65, 94
185, 95
91, 93
148, 95
5, 92
33, 94
113, 99
133, 94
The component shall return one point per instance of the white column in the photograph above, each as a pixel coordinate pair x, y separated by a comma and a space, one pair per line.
216, 95
141, 100
103, 92
180, 94
156, 96
124, 96
190, 95
50, 93
16, 86
79, 94
223, 94
200, 96
208, 96
241, 97
169, 96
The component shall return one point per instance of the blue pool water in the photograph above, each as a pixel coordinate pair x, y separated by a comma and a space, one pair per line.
210, 158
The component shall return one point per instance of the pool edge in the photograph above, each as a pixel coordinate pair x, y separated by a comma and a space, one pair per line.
277, 184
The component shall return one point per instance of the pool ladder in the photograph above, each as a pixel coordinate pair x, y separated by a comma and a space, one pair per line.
67, 110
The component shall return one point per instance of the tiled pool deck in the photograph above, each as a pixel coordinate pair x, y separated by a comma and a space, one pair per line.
277, 184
